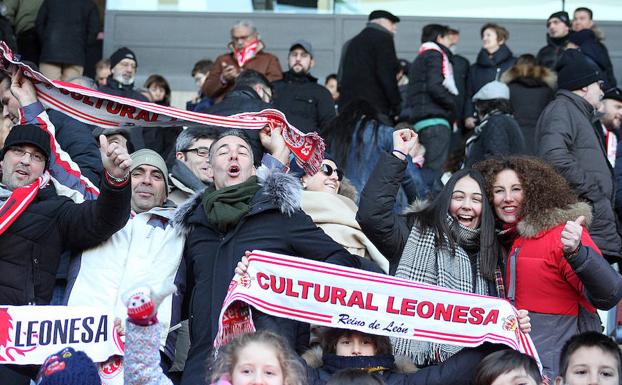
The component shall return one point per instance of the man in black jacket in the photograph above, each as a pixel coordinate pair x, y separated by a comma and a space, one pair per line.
252, 93
369, 66
120, 82
306, 104
245, 209
432, 97
31, 245
567, 139
558, 29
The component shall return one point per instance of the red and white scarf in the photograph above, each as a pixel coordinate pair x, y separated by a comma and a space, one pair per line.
342, 297
19, 200
244, 55
104, 110
448, 71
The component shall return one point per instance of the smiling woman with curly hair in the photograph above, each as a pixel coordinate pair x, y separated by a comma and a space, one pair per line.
553, 268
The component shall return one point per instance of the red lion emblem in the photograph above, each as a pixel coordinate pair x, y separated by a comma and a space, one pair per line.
6, 325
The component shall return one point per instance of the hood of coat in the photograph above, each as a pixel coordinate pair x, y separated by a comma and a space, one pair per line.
501, 55
314, 357
536, 223
278, 190
530, 76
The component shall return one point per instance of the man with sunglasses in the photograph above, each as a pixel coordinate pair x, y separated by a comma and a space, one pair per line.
567, 139
247, 52
189, 172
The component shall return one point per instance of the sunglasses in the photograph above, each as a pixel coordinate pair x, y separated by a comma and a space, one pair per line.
328, 171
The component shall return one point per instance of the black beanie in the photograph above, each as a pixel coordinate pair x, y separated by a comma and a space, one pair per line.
561, 15
28, 134
574, 71
120, 54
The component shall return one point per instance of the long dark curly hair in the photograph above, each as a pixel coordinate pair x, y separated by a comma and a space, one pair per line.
543, 187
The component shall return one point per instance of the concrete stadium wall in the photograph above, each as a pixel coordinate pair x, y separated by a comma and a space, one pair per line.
169, 43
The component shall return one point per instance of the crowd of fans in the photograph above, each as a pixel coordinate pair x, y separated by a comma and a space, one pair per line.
499, 178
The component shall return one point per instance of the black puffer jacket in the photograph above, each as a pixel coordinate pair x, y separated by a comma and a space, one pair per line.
65, 29
457, 370
549, 55
242, 99
497, 135
568, 140
427, 97
531, 89
274, 223
368, 70
486, 69
31, 247
306, 104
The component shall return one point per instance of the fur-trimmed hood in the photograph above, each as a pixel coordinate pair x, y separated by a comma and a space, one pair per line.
530, 76
535, 223
278, 190
314, 357
417, 206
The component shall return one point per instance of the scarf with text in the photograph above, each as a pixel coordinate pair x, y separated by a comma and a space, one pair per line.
341, 297
244, 55
110, 111
448, 72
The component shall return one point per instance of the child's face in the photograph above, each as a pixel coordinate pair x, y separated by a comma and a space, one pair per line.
590, 365
257, 364
355, 345
515, 377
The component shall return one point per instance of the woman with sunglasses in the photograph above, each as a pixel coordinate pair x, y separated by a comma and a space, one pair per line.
328, 198
356, 138
449, 242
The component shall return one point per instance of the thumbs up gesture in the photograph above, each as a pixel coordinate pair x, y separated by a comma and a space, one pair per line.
571, 235
116, 160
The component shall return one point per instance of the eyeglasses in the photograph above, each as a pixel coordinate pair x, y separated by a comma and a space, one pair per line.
203, 152
35, 156
328, 171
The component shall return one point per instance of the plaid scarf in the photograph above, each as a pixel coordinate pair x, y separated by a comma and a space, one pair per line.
422, 261
244, 55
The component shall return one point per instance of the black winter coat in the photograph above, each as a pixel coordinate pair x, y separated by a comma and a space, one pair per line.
242, 99
274, 223
368, 70
531, 89
568, 140
461, 76
497, 135
457, 370
306, 104
65, 29
31, 247
427, 97
113, 87
550, 54
76, 138
486, 69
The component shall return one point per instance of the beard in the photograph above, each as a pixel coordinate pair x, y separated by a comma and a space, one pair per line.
611, 123
123, 80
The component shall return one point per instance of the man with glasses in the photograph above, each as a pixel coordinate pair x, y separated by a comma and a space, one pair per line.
247, 52
567, 139
37, 224
189, 172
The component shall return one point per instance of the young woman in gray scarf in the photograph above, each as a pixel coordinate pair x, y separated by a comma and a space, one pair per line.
448, 242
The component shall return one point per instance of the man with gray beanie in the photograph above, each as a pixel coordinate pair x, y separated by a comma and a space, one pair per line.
306, 104
568, 139
558, 32
147, 251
